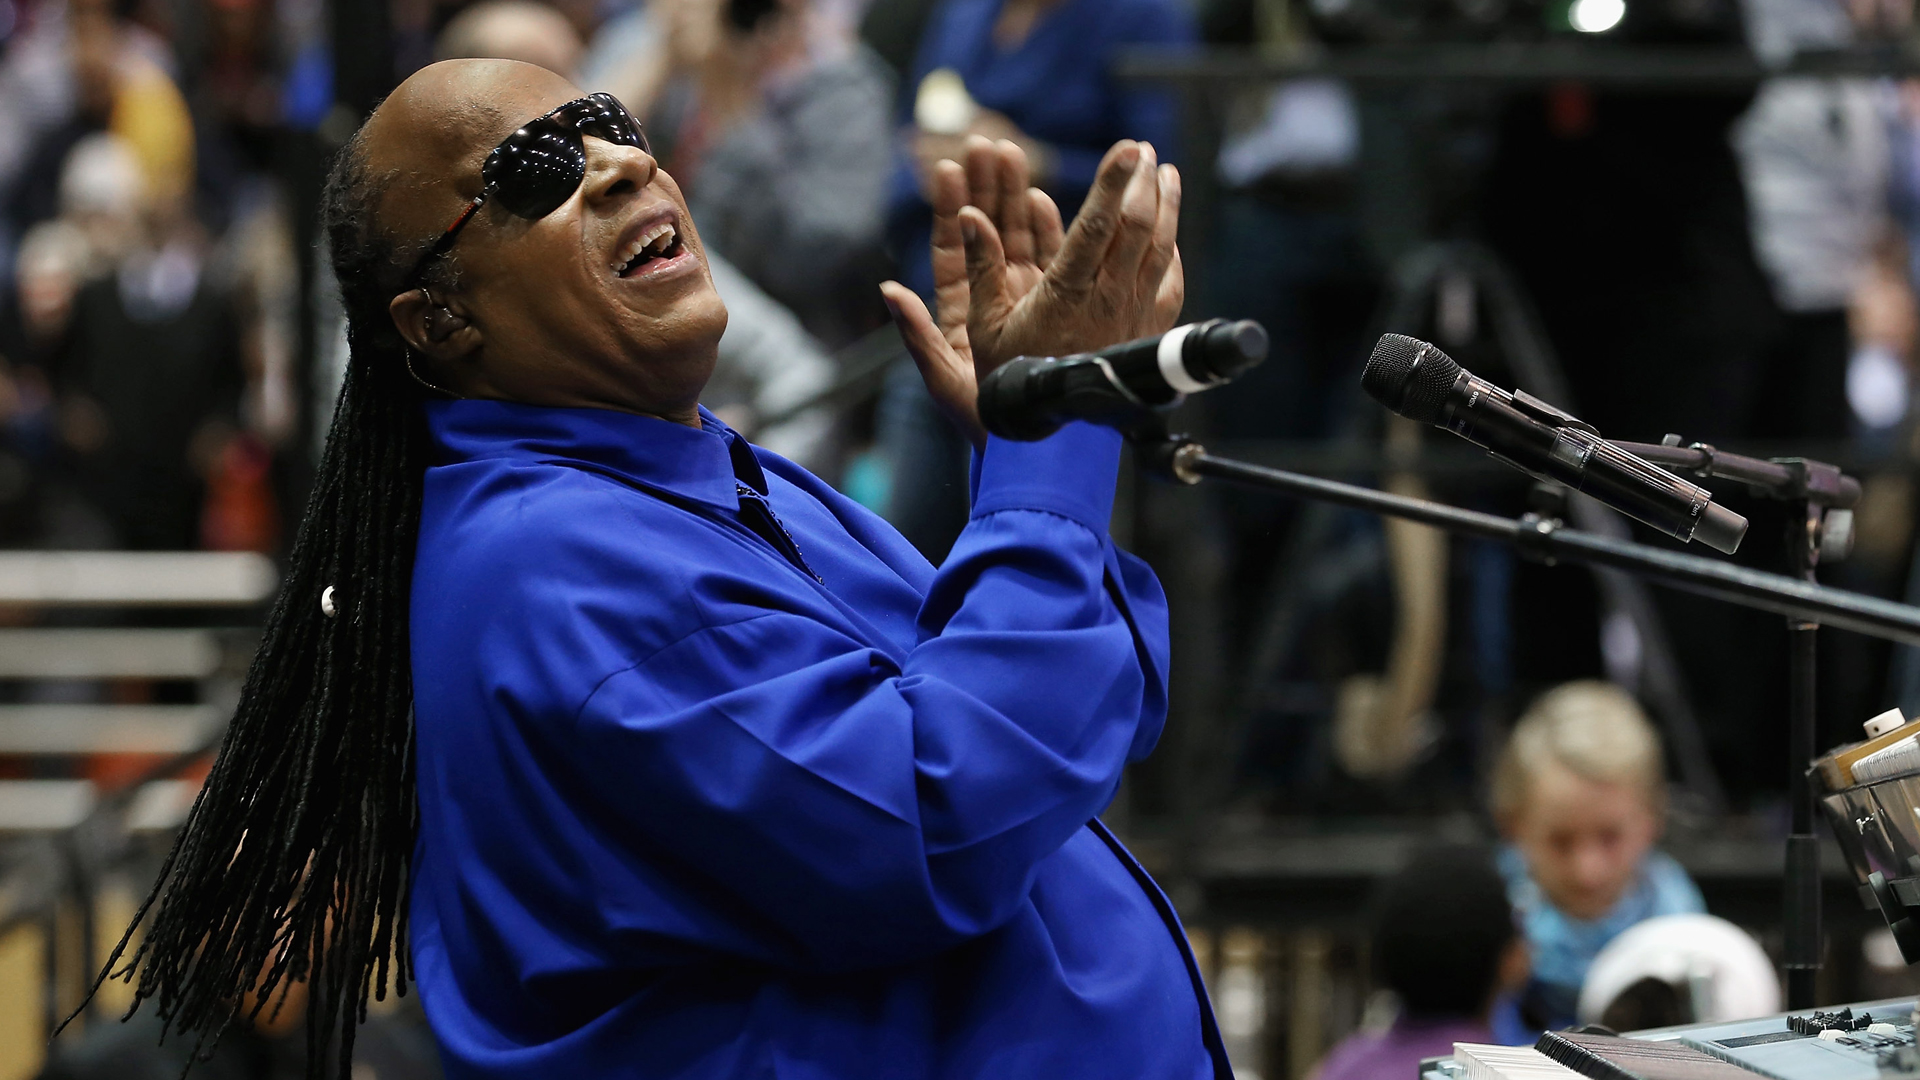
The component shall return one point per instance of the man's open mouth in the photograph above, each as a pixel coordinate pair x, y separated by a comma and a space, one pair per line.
658, 242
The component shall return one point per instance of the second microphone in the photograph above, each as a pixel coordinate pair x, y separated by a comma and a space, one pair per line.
1418, 381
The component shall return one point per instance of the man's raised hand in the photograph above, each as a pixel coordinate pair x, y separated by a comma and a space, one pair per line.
1008, 281
1115, 276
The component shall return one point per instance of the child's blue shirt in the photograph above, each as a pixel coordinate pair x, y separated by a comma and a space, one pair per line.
1564, 947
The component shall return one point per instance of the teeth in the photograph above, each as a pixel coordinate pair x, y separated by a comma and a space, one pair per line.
659, 236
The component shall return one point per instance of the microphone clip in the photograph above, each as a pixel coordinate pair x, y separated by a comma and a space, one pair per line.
1551, 415
1120, 386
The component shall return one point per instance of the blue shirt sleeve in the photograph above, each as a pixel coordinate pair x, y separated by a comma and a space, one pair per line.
848, 810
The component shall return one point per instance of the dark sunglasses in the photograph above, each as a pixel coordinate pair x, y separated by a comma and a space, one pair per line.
540, 166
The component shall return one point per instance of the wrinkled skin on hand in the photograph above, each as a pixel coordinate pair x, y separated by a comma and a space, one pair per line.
1008, 281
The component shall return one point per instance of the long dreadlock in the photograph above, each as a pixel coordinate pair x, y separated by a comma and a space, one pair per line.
293, 862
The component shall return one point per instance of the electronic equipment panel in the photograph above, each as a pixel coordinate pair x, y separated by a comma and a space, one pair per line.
1872, 1041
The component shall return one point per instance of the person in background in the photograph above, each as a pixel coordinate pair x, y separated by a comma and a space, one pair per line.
121, 84
775, 119
37, 93
1816, 164
49, 268
1579, 793
150, 375
98, 191
1039, 74
237, 92
1445, 944
522, 30
54, 259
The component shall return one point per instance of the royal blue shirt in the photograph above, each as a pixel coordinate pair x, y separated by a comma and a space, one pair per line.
1057, 86
719, 778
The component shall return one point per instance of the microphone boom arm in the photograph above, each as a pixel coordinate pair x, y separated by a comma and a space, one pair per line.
1548, 541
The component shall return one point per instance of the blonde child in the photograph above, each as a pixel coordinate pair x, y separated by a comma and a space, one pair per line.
1579, 794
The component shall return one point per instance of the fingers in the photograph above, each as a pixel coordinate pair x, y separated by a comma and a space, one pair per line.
997, 179
1169, 301
949, 188
1086, 242
989, 302
983, 175
1047, 230
924, 340
947, 373
1139, 215
1015, 218
1163, 243
948, 248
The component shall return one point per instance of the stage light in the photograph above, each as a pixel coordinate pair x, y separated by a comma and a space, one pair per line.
1596, 16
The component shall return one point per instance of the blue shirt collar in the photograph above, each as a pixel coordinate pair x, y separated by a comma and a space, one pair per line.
704, 465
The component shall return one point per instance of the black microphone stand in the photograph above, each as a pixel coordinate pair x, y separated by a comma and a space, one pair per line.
1818, 490
1820, 521
1547, 540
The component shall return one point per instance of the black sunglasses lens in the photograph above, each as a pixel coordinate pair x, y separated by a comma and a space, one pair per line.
540, 166
615, 131
605, 118
534, 172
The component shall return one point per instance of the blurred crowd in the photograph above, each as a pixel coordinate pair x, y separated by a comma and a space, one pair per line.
168, 353
1731, 264
149, 298
151, 279
1736, 265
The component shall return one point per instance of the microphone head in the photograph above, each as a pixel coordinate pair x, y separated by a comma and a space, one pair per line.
1228, 349
1409, 376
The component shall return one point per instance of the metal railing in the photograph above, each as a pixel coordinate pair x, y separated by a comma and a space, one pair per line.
60, 835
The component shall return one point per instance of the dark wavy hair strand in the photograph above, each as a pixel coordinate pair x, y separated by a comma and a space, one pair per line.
293, 862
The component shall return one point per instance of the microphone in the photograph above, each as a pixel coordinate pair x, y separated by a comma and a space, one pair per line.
1418, 381
1031, 397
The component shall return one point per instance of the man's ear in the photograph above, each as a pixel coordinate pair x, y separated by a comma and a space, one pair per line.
435, 327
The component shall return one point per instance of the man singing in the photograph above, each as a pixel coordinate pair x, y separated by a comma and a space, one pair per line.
714, 775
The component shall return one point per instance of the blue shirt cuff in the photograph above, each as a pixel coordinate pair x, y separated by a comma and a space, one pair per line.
1071, 473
